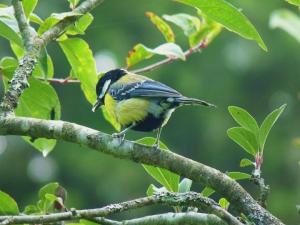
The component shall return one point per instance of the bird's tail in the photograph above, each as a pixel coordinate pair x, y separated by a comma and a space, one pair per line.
193, 101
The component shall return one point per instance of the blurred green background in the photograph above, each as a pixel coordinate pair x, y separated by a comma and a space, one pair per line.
231, 71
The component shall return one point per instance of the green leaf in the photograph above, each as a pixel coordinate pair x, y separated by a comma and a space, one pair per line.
73, 3
8, 205
44, 68
47, 196
141, 52
267, 124
239, 175
162, 26
169, 50
8, 25
294, 2
138, 54
8, 66
207, 191
165, 177
87, 222
189, 24
224, 203
54, 19
207, 33
243, 118
35, 19
244, 138
185, 185
229, 16
48, 189
83, 65
39, 101
80, 25
246, 162
287, 21
17, 50
31, 209
29, 6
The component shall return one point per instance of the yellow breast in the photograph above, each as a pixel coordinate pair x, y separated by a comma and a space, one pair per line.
127, 111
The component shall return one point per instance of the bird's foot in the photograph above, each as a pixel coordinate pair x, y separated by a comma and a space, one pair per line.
120, 136
155, 146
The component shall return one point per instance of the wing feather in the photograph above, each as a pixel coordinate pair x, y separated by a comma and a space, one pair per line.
146, 88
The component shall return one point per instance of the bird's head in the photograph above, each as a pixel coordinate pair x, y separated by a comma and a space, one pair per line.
103, 85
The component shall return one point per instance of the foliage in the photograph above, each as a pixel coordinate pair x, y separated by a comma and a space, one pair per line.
203, 27
287, 20
166, 178
249, 135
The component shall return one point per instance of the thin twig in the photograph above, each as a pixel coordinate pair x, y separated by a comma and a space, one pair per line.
191, 218
146, 69
257, 179
189, 199
25, 29
187, 53
59, 81
97, 140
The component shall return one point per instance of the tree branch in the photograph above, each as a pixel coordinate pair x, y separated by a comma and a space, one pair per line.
26, 64
190, 218
25, 29
187, 53
33, 46
105, 143
189, 199
59, 80
149, 68
59, 28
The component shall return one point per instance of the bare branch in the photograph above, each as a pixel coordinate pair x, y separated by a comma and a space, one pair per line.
105, 143
149, 68
187, 53
189, 199
190, 218
25, 29
59, 81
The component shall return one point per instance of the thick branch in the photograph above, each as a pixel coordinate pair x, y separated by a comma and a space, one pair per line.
190, 218
105, 143
189, 199
26, 64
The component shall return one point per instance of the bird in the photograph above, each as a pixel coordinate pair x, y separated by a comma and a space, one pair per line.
139, 103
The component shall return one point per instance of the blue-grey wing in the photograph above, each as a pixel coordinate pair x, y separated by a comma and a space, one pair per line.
147, 88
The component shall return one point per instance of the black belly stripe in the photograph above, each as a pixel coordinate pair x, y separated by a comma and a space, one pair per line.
150, 123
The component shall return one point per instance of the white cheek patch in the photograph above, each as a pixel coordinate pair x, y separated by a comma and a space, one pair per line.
105, 88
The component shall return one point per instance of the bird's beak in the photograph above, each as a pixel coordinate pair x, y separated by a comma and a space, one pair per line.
97, 104
99, 101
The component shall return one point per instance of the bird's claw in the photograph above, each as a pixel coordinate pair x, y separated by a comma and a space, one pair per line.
155, 146
119, 136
